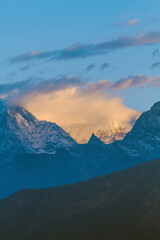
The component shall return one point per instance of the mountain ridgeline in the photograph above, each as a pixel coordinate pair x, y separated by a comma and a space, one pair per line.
22, 133
39, 154
119, 206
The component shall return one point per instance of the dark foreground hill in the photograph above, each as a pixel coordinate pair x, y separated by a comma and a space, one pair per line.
120, 206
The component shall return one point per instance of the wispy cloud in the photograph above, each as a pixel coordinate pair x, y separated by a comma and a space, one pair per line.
16, 91
104, 66
90, 67
34, 86
155, 65
71, 99
128, 23
25, 68
132, 22
135, 81
156, 53
87, 50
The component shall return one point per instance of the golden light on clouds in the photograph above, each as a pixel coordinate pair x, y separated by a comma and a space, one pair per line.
73, 106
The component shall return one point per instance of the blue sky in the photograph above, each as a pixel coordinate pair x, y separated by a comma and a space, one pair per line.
34, 28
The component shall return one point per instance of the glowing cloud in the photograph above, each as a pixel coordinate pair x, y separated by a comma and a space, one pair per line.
70, 100
86, 105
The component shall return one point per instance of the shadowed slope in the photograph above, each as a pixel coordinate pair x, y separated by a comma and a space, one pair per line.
120, 206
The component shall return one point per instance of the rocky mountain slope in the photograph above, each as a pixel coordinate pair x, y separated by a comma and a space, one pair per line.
120, 206
21, 132
37, 167
144, 139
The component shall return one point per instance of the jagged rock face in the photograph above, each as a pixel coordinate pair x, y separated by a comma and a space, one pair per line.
144, 139
21, 132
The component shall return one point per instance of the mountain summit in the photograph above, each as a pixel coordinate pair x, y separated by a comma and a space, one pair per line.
21, 132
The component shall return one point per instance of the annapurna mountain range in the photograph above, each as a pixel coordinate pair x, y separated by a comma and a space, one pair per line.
36, 154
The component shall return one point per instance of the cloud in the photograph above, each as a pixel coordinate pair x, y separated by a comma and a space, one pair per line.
155, 65
24, 68
156, 53
65, 107
17, 91
127, 41
104, 66
135, 81
74, 51
129, 23
94, 88
87, 50
69, 100
87, 103
132, 22
90, 67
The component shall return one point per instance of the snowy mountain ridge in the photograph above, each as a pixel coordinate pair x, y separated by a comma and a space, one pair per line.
107, 133
21, 132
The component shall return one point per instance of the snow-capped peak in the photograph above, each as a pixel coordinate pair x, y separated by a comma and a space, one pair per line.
107, 133
21, 132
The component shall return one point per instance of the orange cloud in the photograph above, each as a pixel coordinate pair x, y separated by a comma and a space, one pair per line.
69, 100
72, 106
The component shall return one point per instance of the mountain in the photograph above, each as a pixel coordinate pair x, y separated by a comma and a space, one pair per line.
107, 133
75, 163
144, 139
119, 206
21, 132
95, 140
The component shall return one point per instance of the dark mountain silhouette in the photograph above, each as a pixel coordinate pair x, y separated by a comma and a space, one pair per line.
119, 206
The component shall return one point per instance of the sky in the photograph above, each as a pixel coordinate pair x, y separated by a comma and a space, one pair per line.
77, 59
